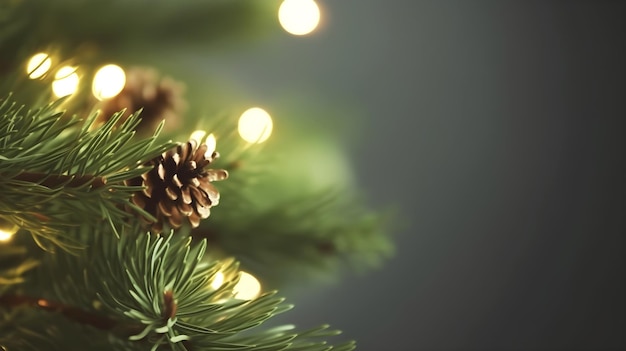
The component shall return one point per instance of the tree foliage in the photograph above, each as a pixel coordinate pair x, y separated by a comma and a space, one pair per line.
83, 269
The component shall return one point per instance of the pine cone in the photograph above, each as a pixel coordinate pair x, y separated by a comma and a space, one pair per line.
178, 186
159, 98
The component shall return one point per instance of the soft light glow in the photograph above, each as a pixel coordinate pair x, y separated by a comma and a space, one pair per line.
7, 230
299, 17
38, 65
211, 144
247, 288
108, 82
65, 81
255, 125
218, 280
5, 236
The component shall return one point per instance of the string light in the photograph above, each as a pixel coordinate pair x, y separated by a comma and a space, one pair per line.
5, 236
299, 17
38, 65
108, 81
218, 280
255, 125
7, 229
247, 288
65, 81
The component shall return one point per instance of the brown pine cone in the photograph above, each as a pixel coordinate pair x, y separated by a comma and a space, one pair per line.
178, 186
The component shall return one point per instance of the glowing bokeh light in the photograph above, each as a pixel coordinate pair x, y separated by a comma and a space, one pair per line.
5, 236
7, 230
247, 288
108, 82
38, 65
65, 81
255, 125
218, 280
299, 17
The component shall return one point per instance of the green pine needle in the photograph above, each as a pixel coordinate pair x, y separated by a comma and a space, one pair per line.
56, 171
124, 282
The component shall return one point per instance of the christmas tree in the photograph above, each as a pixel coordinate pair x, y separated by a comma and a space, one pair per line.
139, 210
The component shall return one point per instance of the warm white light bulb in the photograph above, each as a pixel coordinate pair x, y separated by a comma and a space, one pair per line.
255, 125
5, 236
108, 82
247, 288
299, 17
218, 280
65, 81
7, 229
38, 65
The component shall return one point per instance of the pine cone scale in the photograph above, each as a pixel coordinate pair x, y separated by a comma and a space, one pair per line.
176, 218
209, 189
171, 193
200, 153
186, 196
203, 211
184, 151
194, 220
138, 200
217, 175
164, 208
203, 198
185, 209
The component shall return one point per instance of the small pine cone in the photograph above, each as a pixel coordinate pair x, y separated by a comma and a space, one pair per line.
178, 186
160, 99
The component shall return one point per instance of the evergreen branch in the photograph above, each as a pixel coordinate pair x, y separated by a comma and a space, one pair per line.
312, 235
287, 231
75, 314
41, 329
61, 178
159, 287
53, 181
56, 171
14, 262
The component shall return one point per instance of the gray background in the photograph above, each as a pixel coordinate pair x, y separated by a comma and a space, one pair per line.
497, 129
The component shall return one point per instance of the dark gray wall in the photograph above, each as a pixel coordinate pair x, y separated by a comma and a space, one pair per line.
498, 129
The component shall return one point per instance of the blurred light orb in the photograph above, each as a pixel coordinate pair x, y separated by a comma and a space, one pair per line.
38, 65
299, 17
5, 236
108, 82
218, 280
247, 288
7, 229
65, 81
255, 125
